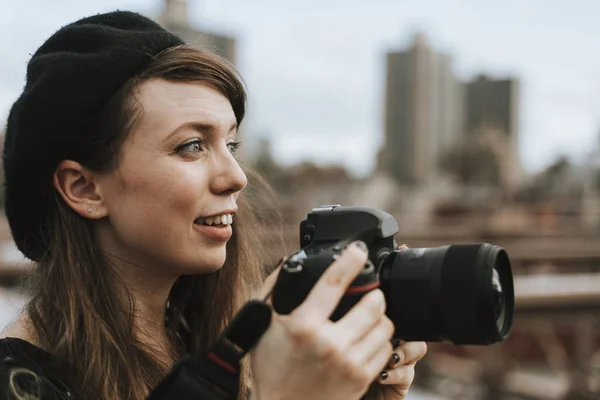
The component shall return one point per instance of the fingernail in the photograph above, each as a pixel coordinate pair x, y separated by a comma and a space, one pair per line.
396, 358
361, 245
383, 375
405, 245
281, 260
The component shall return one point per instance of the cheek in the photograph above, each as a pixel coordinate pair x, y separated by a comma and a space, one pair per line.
153, 212
166, 192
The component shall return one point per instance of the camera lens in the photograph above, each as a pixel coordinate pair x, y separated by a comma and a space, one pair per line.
460, 293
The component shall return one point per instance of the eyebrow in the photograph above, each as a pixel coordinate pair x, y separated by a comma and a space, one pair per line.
201, 127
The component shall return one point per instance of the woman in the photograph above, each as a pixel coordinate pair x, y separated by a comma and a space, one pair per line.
121, 183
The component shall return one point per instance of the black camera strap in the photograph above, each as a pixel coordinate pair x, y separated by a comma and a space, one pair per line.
215, 373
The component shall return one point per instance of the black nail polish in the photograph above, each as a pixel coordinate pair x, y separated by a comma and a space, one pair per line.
383, 375
361, 245
396, 358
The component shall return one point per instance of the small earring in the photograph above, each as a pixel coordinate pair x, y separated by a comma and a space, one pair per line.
89, 210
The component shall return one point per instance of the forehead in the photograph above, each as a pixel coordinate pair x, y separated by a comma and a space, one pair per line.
166, 105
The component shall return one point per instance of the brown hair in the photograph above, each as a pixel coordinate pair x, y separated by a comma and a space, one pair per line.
73, 309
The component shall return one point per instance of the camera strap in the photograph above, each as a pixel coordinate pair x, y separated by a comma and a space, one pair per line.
214, 374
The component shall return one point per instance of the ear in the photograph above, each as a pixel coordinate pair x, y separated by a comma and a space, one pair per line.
78, 188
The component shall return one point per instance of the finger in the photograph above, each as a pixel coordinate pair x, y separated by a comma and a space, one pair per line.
410, 352
401, 377
363, 317
377, 362
267, 286
329, 289
403, 247
371, 343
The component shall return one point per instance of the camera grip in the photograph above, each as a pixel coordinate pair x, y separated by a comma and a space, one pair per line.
296, 280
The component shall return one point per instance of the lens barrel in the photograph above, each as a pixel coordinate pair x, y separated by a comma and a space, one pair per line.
458, 293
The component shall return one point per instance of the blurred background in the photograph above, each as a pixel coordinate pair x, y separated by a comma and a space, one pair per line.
469, 121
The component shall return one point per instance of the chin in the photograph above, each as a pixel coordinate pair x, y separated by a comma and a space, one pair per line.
211, 261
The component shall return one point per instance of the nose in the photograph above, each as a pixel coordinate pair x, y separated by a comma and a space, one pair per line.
228, 175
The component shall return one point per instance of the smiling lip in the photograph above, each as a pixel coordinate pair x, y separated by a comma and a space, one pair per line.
220, 233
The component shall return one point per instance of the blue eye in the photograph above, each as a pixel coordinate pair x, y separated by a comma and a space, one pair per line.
234, 146
195, 146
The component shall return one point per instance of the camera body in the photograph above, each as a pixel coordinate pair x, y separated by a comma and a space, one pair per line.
458, 293
324, 234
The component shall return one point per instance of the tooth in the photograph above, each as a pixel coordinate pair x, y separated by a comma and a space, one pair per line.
218, 220
230, 219
208, 220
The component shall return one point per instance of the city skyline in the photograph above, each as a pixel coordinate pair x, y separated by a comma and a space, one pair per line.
315, 70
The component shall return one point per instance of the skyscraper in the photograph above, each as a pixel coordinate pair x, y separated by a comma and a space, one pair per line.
174, 17
492, 102
493, 105
423, 112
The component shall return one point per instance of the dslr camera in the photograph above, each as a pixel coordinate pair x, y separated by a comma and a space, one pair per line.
462, 294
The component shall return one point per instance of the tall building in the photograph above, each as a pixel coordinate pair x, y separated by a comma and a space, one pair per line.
493, 105
492, 102
175, 18
423, 112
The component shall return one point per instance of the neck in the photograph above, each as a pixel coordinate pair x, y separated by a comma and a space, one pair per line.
149, 294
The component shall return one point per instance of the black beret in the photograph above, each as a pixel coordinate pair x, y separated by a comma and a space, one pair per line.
70, 79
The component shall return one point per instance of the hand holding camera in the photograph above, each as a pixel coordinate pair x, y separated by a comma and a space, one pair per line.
305, 355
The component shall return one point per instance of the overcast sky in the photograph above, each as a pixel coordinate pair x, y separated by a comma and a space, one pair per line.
314, 68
